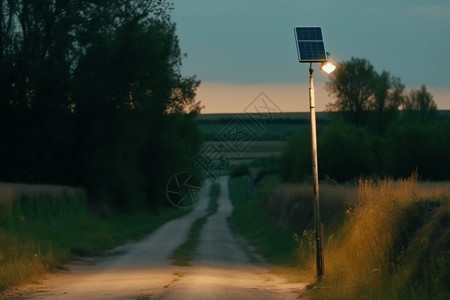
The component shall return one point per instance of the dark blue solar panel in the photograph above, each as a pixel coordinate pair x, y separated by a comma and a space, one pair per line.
310, 44
309, 34
312, 51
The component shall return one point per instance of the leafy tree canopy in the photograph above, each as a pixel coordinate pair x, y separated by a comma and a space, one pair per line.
89, 91
358, 88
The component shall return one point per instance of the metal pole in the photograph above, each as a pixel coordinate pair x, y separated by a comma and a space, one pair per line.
315, 171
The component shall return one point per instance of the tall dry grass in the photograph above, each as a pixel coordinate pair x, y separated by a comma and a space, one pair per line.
371, 255
26, 214
44, 226
13, 191
384, 239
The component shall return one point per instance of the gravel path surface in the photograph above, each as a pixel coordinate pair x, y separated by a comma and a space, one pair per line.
221, 268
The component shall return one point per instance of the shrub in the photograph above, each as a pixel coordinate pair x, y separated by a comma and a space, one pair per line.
345, 152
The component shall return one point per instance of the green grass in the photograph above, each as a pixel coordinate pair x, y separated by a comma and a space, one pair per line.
183, 255
42, 229
252, 220
277, 244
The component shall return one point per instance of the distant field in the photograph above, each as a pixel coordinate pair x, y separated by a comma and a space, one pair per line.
287, 116
263, 127
255, 149
266, 127
232, 139
295, 116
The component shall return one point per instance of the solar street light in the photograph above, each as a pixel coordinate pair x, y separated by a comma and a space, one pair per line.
311, 49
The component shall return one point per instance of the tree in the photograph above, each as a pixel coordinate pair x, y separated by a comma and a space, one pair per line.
352, 85
388, 96
420, 106
421, 147
364, 95
91, 92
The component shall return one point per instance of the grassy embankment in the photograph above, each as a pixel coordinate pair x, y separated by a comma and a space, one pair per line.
183, 255
44, 227
383, 240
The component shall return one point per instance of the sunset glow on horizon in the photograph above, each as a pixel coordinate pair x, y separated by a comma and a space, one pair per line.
219, 97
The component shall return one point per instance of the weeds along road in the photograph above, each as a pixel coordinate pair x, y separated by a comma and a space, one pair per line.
221, 269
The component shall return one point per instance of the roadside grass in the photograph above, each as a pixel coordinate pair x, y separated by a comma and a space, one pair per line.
183, 255
44, 227
395, 244
384, 239
252, 220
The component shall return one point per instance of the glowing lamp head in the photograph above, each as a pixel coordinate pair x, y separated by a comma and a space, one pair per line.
327, 67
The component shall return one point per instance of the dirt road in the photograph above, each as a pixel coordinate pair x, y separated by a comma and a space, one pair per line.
221, 268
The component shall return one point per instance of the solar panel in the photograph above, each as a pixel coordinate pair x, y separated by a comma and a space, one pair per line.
310, 46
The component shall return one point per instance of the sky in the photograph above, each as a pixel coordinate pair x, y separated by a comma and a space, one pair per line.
240, 49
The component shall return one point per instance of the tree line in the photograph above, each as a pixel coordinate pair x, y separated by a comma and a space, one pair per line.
91, 95
372, 99
380, 130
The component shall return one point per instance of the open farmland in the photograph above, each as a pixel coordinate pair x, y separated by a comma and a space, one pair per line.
265, 127
255, 149
241, 138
